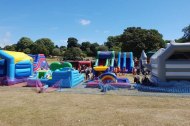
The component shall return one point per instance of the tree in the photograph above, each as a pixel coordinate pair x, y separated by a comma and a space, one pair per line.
113, 41
27, 51
93, 48
116, 49
72, 42
47, 44
63, 48
136, 39
186, 31
10, 48
56, 52
24, 43
73, 53
39, 49
85, 45
56, 46
186, 36
102, 48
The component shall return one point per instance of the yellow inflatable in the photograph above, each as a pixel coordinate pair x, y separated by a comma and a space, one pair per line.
18, 56
100, 68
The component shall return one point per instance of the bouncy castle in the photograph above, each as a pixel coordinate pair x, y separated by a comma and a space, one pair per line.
15, 67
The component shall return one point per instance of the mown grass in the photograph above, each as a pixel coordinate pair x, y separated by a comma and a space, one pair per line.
51, 60
25, 107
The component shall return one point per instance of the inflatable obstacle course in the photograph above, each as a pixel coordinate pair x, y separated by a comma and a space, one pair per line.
60, 76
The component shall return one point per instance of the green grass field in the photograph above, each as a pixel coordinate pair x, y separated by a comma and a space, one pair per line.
25, 107
51, 60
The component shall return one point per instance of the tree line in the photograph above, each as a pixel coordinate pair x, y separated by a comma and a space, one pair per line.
133, 39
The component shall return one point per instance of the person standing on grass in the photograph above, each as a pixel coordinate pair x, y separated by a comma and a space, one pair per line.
87, 72
137, 79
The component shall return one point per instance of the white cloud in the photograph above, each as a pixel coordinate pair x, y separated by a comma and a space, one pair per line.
84, 22
5, 39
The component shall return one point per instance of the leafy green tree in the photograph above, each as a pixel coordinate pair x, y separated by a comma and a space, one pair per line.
72, 42
24, 43
73, 53
27, 51
102, 48
167, 41
10, 48
39, 49
136, 39
63, 48
186, 36
85, 45
113, 41
116, 49
56, 46
93, 48
56, 52
47, 45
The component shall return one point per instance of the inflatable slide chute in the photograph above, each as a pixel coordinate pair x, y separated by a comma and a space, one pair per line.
39, 61
125, 61
105, 59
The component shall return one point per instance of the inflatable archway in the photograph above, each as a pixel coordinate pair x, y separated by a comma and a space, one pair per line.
108, 78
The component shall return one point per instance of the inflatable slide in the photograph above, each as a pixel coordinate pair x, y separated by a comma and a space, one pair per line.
104, 60
39, 62
125, 62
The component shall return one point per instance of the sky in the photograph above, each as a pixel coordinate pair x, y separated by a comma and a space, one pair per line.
89, 20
